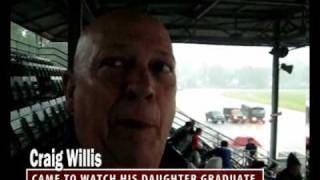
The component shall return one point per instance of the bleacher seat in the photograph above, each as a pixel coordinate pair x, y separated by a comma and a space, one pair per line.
214, 162
15, 145
35, 122
23, 65
27, 131
16, 94
40, 127
27, 94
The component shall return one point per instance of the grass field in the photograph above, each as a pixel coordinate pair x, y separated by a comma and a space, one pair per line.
290, 99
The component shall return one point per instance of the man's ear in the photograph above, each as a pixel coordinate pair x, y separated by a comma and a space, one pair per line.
68, 88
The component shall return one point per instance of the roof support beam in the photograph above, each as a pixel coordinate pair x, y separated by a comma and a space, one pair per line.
59, 33
293, 24
54, 26
86, 11
74, 30
217, 28
268, 3
94, 5
22, 17
206, 10
221, 40
39, 16
240, 8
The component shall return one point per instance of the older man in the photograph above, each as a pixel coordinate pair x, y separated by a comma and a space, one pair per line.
121, 90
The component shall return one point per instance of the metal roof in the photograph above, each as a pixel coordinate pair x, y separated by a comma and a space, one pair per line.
221, 22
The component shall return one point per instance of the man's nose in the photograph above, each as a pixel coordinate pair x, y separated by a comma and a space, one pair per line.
140, 85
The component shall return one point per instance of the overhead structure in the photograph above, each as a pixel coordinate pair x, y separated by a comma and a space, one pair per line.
222, 22
47, 18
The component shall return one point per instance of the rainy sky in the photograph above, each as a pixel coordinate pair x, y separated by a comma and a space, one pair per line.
234, 56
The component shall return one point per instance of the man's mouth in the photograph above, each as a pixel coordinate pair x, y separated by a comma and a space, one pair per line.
132, 124
134, 131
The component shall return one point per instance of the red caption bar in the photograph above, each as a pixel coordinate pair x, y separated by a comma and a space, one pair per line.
144, 174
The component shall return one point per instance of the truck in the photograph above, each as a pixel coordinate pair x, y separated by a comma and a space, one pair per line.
234, 115
253, 114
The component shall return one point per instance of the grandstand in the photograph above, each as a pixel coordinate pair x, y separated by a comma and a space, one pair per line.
37, 114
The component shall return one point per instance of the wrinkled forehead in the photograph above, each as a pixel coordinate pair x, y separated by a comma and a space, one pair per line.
126, 24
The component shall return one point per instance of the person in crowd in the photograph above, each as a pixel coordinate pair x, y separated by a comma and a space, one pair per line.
292, 171
197, 147
183, 136
272, 170
257, 164
196, 141
251, 150
223, 152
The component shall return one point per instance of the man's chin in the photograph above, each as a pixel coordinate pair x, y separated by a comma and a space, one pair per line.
134, 149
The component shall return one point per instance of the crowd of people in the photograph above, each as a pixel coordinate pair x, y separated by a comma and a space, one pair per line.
188, 142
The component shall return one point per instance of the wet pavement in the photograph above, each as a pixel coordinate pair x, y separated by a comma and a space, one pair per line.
292, 126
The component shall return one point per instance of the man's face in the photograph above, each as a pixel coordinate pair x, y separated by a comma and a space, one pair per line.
122, 91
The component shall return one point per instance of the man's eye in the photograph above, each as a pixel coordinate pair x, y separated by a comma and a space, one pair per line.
161, 67
112, 63
118, 63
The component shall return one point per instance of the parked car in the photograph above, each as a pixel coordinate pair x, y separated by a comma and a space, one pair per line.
215, 117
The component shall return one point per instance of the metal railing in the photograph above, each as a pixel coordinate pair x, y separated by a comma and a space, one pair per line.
240, 157
213, 138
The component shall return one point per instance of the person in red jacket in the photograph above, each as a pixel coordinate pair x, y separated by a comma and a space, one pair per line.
196, 141
197, 147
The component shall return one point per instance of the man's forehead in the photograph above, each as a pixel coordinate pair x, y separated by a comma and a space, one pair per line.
121, 29
121, 49
125, 21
